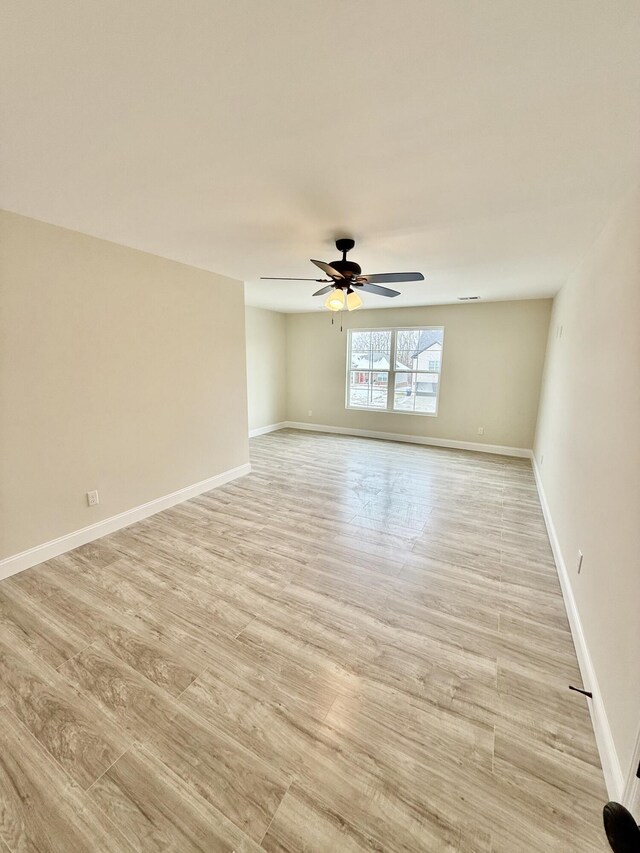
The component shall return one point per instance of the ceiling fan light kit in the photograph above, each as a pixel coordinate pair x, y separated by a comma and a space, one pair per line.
345, 279
335, 300
353, 300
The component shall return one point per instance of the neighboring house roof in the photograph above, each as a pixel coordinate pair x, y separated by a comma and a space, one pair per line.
428, 337
380, 362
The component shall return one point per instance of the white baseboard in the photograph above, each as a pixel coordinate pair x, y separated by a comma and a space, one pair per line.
40, 553
613, 775
499, 449
270, 428
631, 792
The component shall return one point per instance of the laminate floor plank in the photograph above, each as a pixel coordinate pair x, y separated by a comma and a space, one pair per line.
135, 639
40, 808
124, 696
236, 781
67, 724
157, 811
362, 645
33, 624
216, 766
301, 823
261, 675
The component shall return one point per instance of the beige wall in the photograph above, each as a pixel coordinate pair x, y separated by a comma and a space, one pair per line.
491, 370
120, 371
266, 367
589, 435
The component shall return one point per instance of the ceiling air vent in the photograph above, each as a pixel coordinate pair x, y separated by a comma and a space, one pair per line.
468, 298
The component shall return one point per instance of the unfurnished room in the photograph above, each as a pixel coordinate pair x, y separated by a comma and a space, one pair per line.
320, 426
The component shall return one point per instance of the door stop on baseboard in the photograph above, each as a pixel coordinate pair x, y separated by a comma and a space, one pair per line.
584, 692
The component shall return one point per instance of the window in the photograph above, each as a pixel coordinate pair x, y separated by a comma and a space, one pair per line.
394, 370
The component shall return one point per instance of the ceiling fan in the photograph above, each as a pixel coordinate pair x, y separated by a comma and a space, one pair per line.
346, 281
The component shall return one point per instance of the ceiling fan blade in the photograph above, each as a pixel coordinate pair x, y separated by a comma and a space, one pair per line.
380, 291
329, 270
390, 277
287, 278
323, 290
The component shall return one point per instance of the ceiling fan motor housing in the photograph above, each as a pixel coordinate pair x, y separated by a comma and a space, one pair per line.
347, 268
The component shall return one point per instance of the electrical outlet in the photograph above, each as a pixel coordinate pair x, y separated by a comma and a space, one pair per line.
310, 412
480, 430
92, 498
579, 561
541, 458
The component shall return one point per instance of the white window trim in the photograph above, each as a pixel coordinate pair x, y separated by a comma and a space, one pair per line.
392, 371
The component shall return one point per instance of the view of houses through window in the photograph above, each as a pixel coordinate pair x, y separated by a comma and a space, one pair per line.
395, 370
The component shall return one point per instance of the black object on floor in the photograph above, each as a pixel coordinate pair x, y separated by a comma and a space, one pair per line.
622, 831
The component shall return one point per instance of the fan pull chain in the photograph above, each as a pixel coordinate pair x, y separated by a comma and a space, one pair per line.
333, 318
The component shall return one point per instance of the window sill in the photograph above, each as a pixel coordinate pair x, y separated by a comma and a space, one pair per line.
391, 411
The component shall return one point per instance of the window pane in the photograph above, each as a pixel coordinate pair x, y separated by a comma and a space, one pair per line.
430, 359
381, 340
407, 341
416, 392
403, 393
426, 391
422, 349
379, 383
360, 341
426, 405
359, 388
368, 389
361, 360
380, 360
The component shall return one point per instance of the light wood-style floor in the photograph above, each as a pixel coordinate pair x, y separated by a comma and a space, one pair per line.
360, 646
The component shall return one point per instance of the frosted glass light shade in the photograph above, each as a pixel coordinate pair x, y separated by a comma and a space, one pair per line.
335, 300
353, 301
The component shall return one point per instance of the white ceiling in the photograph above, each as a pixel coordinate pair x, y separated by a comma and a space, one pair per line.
482, 142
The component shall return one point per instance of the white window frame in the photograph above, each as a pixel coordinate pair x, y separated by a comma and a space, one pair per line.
391, 382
